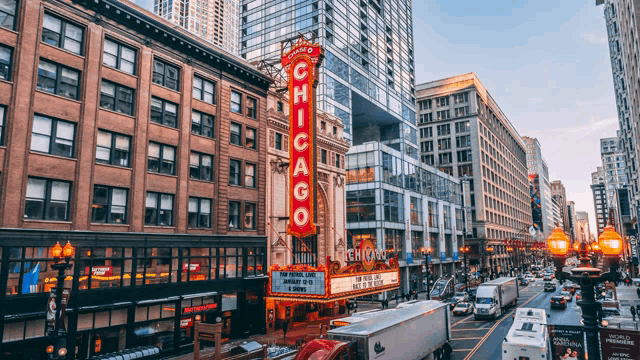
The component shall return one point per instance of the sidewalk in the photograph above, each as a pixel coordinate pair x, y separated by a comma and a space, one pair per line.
627, 297
299, 330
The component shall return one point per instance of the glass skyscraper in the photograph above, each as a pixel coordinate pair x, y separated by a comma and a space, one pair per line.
367, 78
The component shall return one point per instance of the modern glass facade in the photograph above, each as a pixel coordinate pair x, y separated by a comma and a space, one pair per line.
404, 206
367, 78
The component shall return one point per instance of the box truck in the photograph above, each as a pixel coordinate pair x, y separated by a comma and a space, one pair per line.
412, 332
494, 296
528, 337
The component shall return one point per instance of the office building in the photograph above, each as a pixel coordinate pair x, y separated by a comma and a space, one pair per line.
464, 133
571, 214
143, 146
583, 232
216, 21
558, 190
367, 78
597, 177
405, 207
622, 31
613, 167
540, 188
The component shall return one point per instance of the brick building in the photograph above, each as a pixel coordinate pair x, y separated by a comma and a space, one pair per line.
144, 147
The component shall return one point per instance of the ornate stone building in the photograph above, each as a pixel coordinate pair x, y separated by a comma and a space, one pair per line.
331, 221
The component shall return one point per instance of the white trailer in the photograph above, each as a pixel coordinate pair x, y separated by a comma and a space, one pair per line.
528, 337
411, 332
494, 296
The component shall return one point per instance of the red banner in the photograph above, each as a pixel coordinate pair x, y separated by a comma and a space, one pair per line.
301, 64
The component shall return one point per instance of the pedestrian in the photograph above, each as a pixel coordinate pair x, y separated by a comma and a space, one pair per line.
638, 292
447, 351
638, 311
285, 327
633, 312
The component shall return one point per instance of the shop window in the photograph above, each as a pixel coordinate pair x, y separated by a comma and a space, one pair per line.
229, 302
105, 267
58, 79
30, 271
165, 75
198, 264
230, 263
157, 266
159, 333
255, 261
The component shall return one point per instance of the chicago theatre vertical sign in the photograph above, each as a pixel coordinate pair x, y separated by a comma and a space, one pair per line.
301, 64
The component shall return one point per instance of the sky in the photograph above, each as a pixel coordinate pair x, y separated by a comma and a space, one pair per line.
545, 62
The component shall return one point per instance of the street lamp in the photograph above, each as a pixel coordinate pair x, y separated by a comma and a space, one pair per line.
61, 256
610, 243
427, 257
464, 250
510, 251
490, 251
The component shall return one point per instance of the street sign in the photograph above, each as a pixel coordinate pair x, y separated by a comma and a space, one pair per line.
567, 342
620, 344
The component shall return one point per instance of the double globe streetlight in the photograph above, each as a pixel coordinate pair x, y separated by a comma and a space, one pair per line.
610, 245
62, 258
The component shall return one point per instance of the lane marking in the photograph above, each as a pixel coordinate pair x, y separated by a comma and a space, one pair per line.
469, 338
479, 329
506, 316
460, 321
462, 349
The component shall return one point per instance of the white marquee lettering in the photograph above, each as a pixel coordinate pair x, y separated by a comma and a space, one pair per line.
301, 167
300, 93
300, 118
301, 191
300, 142
297, 74
301, 217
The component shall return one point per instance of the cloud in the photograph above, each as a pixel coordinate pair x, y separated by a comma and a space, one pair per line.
593, 37
593, 126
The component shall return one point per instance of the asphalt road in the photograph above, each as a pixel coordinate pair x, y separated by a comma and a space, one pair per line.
482, 339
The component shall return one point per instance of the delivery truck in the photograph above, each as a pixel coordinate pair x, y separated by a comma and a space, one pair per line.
528, 337
494, 296
412, 332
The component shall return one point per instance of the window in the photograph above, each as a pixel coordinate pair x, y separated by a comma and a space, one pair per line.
202, 124
461, 98
164, 112
112, 148
161, 158
461, 111
249, 216
234, 172
159, 209
235, 130
57, 79
323, 156
109, 205
444, 144
7, 13
444, 129
444, 158
47, 199
199, 215
119, 57
234, 215
443, 115
236, 102
425, 104
252, 108
116, 97
442, 101
62, 34
5, 60
426, 146
201, 166
250, 175
393, 206
165, 75
415, 206
250, 140
426, 118
52, 136
280, 107
204, 90
338, 160
464, 155
361, 205
3, 112
428, 159
278, 141
426, 132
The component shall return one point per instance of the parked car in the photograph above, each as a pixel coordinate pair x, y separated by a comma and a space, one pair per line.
567, 295
558, 301
463, 308
524, 282
550, 287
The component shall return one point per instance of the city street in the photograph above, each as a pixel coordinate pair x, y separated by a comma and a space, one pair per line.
483, 339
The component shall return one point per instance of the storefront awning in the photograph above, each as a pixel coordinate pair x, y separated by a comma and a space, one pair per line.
154, 301
191, 296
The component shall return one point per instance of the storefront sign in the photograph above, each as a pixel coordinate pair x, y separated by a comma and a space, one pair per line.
634, 249
567, 342
102, 271
298, 282
366, 252
301, 64
200, 308
191, 267
186, 323
366, 282
620, 344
